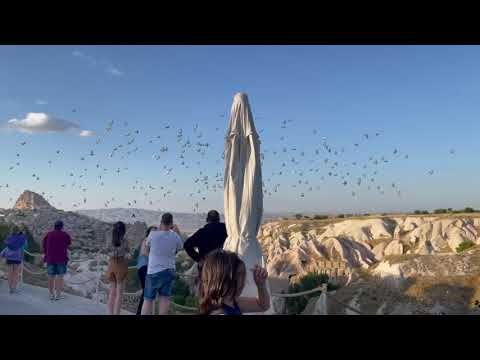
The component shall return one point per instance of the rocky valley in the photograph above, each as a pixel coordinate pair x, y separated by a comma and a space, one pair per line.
385, 265
400, 264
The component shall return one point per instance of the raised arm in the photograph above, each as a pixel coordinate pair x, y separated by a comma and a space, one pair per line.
176, 229
262, 302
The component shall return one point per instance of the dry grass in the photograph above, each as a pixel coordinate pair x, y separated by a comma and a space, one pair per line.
450, 290
397, 259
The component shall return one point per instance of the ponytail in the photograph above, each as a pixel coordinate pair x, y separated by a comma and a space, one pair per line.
118, 233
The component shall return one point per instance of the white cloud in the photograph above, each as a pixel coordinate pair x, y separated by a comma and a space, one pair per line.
114, 71
41, 123
87, 133
41, 102
84, 56
107, 66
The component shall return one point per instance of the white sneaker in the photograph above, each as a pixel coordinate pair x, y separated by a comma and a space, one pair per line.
52, 297
60, 297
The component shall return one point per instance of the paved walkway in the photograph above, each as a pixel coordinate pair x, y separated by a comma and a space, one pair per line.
34, 300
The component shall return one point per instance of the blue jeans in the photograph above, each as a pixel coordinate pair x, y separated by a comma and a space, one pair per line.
56, 269
161, 282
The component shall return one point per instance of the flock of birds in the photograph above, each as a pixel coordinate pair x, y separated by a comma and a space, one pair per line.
285, 168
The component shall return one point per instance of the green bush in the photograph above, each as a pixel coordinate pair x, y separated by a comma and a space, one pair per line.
308, 282
298, 216
465, 245
182, 295
421, 212
133, 259
191, 301
320, 217
4, 231
469, 210
440, 211
32, 245
341, 216
133, 282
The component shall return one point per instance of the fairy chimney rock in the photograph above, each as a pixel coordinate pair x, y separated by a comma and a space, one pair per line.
31, 201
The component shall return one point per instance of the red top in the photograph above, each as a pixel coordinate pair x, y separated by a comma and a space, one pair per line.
55, 245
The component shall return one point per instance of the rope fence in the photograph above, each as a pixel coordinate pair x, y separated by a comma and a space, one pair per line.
346, 305
32, 254
69, 282
138, 293
25, 268
302, 293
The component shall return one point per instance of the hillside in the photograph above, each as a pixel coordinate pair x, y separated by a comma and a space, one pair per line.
89, 235
385, 265
188, 222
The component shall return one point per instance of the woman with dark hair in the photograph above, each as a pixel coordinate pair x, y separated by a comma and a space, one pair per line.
142, 265
117, 267
222, 283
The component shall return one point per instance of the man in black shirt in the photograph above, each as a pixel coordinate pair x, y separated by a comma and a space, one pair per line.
211, 237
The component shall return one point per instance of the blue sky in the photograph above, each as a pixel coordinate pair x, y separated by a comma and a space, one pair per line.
423, 100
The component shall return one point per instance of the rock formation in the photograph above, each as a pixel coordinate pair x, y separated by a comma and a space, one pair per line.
29, 200
89, 235
337, 247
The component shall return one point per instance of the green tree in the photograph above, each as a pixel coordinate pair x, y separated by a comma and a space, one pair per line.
298, 216
465, 245
181, 293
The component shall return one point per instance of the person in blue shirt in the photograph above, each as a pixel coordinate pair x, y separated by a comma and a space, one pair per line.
13, 254
142, 264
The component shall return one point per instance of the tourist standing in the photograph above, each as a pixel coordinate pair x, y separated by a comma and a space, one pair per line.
142, 265
55, 250
117, 270
13, 254
163, 245
207, 239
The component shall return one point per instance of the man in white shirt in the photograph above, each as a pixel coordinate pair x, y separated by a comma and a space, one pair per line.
163, 245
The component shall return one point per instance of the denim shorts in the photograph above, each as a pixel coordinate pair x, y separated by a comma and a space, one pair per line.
161, 282
56, 269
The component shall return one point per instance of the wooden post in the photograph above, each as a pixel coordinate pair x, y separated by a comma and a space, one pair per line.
324, 291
